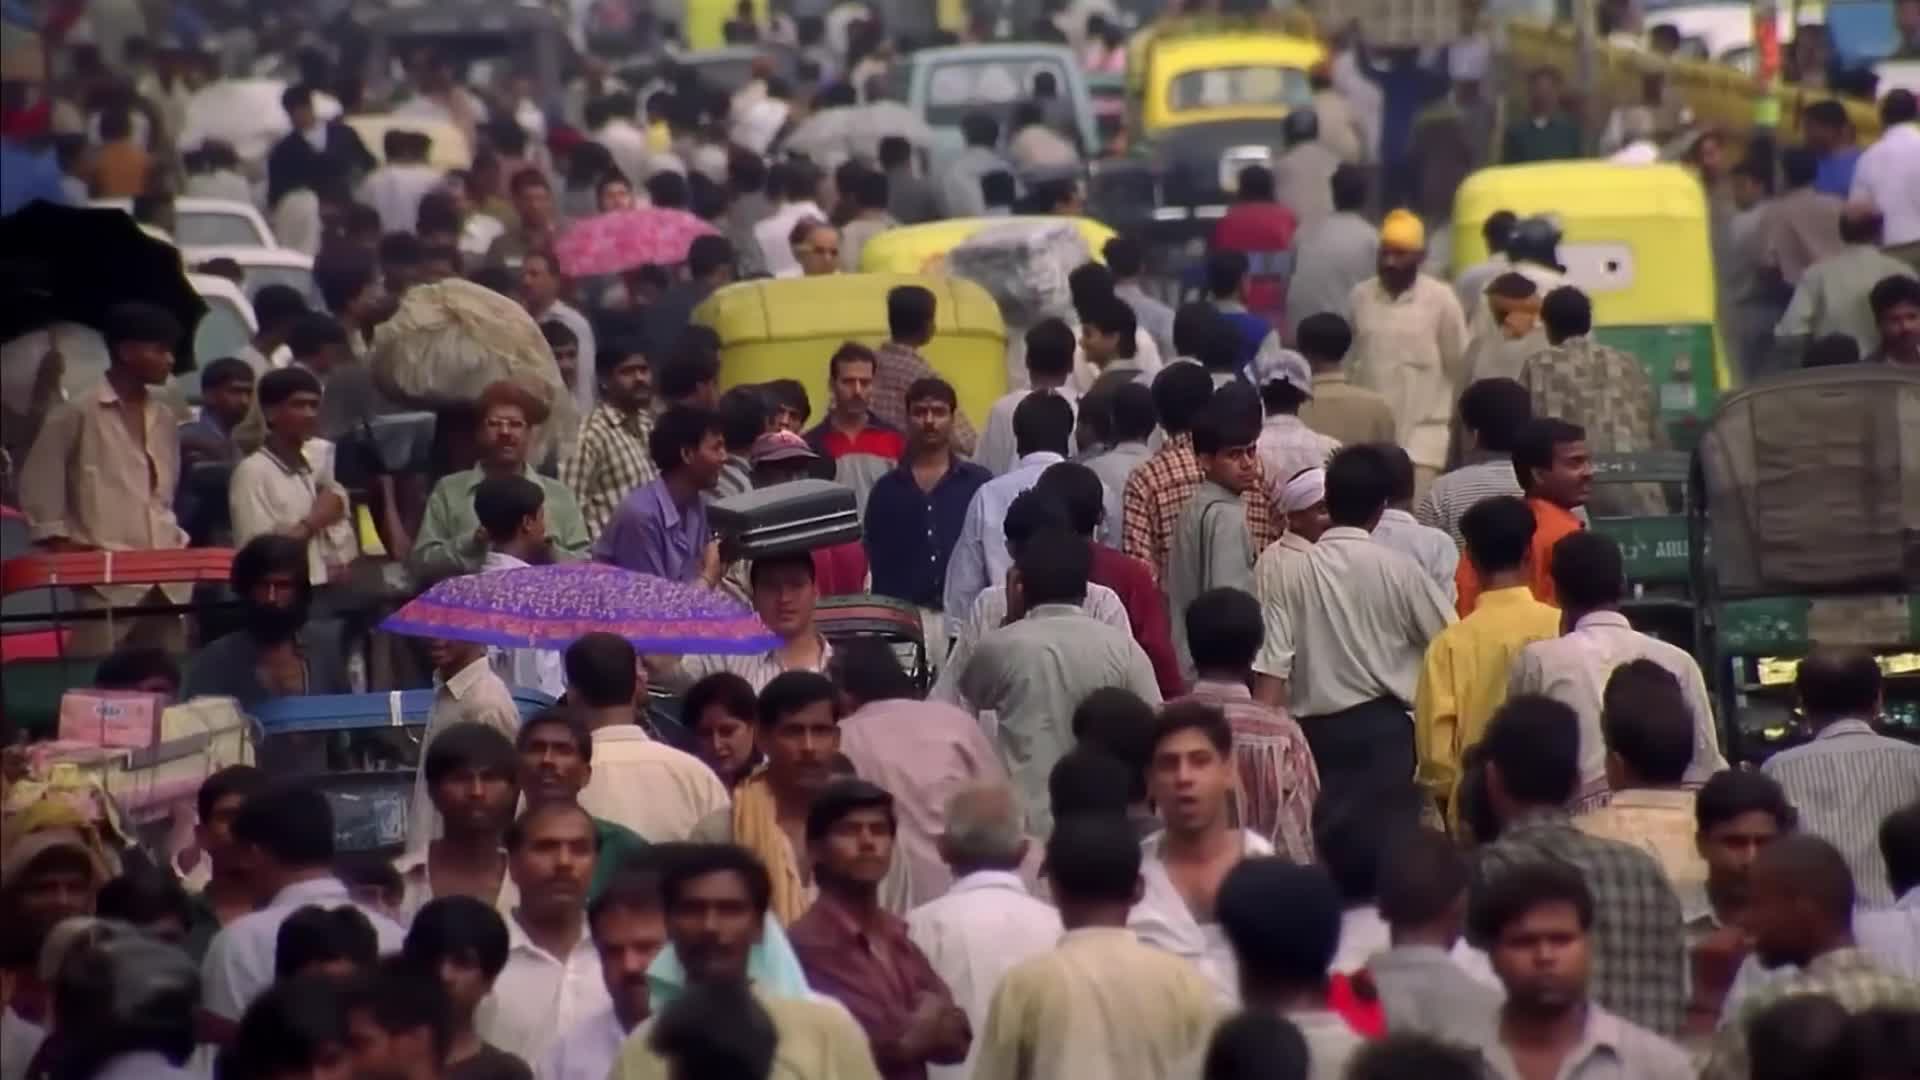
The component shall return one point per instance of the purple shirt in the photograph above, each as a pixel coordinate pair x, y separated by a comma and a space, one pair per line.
650, 535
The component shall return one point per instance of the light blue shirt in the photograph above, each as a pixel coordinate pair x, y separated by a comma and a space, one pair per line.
239, 962
1113, 466
980, 558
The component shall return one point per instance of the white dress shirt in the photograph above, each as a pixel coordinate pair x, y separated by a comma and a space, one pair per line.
239, 963
774, 235
536, 669
996, 450
587, 1051
1432, 548
1349, 622
628, 145
1891, 936
1888, 176
758, 669
265, 496
540, 996
395, 191
980, 557
986, 924
1574, 668
658, 792
1163, 919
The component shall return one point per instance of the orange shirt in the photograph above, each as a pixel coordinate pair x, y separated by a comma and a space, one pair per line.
118, 170
1551, 524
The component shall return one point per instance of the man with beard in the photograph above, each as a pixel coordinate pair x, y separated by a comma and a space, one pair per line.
274, 653
552, 980
716, 899
1410, 344
556, 761
855, 952
512, 512
629, 930
449, 541
915, 512
472, 778
45, 876
1536, 918
611, 458
465, 691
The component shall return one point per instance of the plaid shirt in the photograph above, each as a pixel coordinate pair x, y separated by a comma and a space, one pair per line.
896, 368
1639, 940
609, 461
1277, 780
1848, 976
1160, 489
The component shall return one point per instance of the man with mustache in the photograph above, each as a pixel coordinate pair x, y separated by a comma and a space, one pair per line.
553, 979
859, 954
275, 653
556, 761
629, 930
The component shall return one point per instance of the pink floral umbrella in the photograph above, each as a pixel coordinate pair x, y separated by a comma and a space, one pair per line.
625, 239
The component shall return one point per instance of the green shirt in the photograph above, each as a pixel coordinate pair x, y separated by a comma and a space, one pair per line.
613, 845
446, 545
1556, 139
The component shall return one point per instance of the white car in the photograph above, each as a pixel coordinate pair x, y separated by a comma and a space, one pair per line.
1723, 32
265, 266
209, 223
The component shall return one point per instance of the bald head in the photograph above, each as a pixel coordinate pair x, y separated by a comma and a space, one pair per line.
1838, 683
985, 829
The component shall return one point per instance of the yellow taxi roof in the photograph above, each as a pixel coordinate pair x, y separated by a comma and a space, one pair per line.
1203, 51
836, 307
1586, 190
910, 248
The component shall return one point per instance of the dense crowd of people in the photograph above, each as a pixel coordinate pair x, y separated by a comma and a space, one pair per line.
1282, 717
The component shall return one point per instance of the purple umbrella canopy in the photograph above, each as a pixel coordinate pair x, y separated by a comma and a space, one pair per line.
551, 607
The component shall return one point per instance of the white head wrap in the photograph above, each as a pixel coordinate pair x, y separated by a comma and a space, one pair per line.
1304, 489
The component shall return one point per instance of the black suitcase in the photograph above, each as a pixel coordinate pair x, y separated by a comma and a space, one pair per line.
799, 515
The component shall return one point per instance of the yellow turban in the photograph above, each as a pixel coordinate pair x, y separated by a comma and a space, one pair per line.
1402, 231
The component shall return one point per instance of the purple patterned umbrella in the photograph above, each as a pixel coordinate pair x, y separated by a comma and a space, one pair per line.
551, 607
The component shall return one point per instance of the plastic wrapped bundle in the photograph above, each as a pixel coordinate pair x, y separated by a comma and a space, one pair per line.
1024, 265
452, 338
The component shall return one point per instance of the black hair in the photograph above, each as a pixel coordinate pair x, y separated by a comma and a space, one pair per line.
292, 823
635, 886
1499, 533
795, 560
558, 334
342, 275
1134, 417
742, 412
1644, 718
242, 780
516, 833
470, 745
277, 386
1496, 410
678, 431
557, 716
1194, 325
1900, 847
287, 1029
1209, 720
997, 188
802, 179
1731, 793
317, 935
457, 928
1124, 257
1112, 315
142, 896
1180, 391
1516, 890
1043, 421
1359, 485
227, 369
502, 503
614, 351
868, 670
868, 189
1255, 184
1050, 345
1078, 490
1093, 858
1889, 1041
1410, 1055
600, 671
1799, 166
267, 554
1803, 1035
1816, 871
843, 797
1351, 832
895, 151
1089, 780
980, 129
932, 388
1225, 271
1834, 682
1567, 312
716, 1031
1224, 630
685, 368
1256, 1045
297, 96
399, 997
403, 249
1422, 873
789, 394
315, 331
910, 312
1535, 743
1118, 723
707, 254
1088, 282
437, 214
1588, 572
1497, 229
134, 322
668, 189
1892, 291
691, 861
1349, 187
791, 691
1535, 443
1282, 919
1053, 566
1898, 107
733, 694
1231, 418
849, 352
1323, 338
130, 665
1830, 350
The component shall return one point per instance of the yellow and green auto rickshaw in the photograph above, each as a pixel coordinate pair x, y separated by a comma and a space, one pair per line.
787, 328
1636, 240
914, 249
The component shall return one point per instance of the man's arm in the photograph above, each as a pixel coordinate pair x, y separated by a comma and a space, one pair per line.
1136, 529
566, 528
967, 567
1436, 721
44, 477
440, 550
1273, 667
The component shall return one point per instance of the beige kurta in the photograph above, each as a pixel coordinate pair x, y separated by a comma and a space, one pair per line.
1411, 349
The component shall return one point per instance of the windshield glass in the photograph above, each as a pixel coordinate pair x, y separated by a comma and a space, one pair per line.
1239, 87
215, 230
990, 86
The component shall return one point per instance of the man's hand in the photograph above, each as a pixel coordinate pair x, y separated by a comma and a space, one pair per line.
712, 568
1016, 598
329, 506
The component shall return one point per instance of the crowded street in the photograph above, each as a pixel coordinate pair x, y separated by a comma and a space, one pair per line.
951, 540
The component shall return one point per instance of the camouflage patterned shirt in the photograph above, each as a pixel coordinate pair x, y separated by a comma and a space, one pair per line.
1600, 388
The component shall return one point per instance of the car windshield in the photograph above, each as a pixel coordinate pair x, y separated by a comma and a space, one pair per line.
1239, 87
990, 86
215, 230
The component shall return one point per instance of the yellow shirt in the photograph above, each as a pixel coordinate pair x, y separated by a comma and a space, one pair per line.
1465, 677
818, 1041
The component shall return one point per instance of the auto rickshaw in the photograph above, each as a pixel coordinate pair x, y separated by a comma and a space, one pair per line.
914, 249
787, 328
1635, 239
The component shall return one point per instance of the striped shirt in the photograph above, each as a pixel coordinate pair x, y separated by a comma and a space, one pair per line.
1455, 493
610, 461
1277, 781
1845, 782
